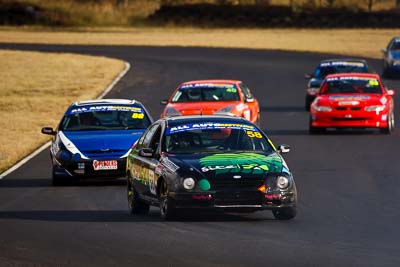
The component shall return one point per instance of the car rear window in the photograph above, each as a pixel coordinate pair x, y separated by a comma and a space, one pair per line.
327, 68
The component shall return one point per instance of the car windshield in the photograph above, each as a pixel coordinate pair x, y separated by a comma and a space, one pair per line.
395, 45
105, 118
192, 138
206, 92
354, 85
327, 68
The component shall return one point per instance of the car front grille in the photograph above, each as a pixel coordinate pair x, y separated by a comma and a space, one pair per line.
242, 183
237, 198
98, 154
237, 192
349, 119
348, 108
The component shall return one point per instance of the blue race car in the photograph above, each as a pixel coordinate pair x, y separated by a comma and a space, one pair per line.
391, 58
94, 138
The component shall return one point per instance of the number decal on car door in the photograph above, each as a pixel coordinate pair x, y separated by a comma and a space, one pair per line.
152, 182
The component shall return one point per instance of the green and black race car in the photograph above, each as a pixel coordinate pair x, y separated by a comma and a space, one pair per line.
212, 163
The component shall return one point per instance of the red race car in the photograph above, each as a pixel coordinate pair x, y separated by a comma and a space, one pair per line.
207, 97
352, 100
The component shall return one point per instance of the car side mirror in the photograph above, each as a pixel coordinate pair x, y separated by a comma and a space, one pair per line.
283, 149
164, 102
48, 130
308, 76
250, 99
146, 152
391, 92
383, 50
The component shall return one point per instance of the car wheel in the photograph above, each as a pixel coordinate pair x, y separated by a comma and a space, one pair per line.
390, 127
385, 71
307, 104
134, 204
285, 213
56, 179
167, 207
315, 130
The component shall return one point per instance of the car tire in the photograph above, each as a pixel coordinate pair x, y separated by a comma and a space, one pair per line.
134, 204
167, 207
390, 127
307, 103
285, 213
315, 130
386, 73
57, 180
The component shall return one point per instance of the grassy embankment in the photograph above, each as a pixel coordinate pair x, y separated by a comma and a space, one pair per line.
355, 42
35, 90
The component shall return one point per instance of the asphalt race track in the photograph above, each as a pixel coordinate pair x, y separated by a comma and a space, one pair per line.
348, 182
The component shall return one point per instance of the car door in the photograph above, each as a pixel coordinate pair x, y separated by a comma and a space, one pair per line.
146, 160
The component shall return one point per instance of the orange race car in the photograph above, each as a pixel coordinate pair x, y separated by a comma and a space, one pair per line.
207, 97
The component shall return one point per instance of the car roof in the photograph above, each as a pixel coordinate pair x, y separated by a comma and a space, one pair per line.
204, 118
211, 81
344, 60
354, 74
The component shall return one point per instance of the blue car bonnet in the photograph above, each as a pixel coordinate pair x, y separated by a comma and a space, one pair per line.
104, 144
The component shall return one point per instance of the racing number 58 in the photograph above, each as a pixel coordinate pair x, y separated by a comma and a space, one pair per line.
252, 134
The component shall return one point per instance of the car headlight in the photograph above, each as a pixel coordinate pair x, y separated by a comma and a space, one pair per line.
282, 182
377, 108
322, 108
170, 112
189, 183
226, 110
64, 155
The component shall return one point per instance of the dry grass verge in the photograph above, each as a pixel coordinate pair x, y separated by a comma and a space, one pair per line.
35, 90
354, 42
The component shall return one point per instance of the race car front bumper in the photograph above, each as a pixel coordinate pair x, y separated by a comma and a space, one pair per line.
240, 201
339, 119
85, 168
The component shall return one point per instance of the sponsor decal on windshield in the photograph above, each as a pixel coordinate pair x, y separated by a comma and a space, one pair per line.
251, 163
106, 108
210, 126
342, 63
354, 78
348, 97
209, 85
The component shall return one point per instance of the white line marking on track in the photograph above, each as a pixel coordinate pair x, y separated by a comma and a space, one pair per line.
43, 147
